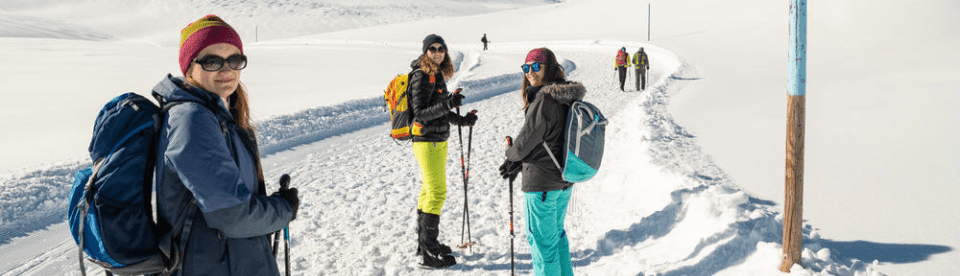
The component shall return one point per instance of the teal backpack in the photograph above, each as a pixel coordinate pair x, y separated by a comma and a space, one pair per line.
583, 142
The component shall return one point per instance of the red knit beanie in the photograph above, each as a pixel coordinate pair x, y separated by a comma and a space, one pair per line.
207, 31
537, 55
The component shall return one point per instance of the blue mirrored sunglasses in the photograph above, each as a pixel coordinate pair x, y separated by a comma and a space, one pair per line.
527, 67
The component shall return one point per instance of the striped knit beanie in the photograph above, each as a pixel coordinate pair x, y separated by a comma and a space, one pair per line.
207, 31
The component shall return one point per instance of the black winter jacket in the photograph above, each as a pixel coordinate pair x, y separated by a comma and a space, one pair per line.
428, 102
544, 121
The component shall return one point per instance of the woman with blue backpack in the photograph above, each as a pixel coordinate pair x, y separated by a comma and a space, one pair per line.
546, 96
431, 103
208, 167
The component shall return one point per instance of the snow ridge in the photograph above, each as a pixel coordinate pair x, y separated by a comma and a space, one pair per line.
34, 199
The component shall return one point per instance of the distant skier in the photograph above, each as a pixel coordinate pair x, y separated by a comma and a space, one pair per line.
431, 103
484, 40
546, 96
641, 65
623, 61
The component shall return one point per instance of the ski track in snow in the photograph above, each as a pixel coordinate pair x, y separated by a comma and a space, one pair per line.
359, 189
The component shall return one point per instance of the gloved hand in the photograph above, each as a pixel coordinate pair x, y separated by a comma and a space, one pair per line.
510, 169
454, 100
292, 198
470, 119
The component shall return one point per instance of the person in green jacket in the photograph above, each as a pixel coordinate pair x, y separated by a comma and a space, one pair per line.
431, 103
641, 65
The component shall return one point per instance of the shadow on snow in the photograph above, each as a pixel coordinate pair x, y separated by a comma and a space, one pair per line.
884, 252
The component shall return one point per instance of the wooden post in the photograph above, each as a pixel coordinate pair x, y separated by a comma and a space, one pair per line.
796, 105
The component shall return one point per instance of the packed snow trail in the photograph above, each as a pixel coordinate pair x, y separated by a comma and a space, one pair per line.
361, 209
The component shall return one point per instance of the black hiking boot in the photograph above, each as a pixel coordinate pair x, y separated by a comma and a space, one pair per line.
443, 248
433, 253
431, 260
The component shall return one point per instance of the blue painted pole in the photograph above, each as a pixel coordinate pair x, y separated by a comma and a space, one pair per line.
796, 113
797, 53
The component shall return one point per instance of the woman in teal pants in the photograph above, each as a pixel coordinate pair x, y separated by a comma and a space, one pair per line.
546, 96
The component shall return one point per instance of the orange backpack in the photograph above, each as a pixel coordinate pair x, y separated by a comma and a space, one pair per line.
397, 103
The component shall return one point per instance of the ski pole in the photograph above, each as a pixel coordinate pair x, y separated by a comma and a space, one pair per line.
466, 179
463, 176
463, 173
285, 184
510, 186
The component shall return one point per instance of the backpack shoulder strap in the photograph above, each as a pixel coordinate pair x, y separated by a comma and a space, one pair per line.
554, 158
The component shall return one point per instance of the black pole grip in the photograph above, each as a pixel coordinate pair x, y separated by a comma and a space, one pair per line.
285, 182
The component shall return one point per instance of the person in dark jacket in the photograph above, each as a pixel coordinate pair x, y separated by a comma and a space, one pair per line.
484, 40
641, 64
431, 103
546, 96
208, 167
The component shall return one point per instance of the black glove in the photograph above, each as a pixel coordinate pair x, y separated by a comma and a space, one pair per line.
510, 169
469, 120
454, 100
292, 198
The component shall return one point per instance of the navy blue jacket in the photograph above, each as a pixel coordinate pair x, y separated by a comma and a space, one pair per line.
203, 160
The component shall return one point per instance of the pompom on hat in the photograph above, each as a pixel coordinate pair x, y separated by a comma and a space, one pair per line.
207, 31
537, 55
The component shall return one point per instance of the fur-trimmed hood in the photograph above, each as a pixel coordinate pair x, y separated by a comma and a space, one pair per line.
566, 92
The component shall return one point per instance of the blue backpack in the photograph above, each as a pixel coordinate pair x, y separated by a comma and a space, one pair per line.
583, 142
110, 211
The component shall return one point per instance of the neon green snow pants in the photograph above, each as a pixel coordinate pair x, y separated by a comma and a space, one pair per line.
432, 157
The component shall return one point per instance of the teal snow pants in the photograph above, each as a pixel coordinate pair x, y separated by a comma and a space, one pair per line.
549, 248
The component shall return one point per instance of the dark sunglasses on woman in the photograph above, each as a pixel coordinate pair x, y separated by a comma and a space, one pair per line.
215, 63
437, 49
533, 66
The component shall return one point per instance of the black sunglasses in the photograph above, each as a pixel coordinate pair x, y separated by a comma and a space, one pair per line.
214, 63
437, 49
533, 66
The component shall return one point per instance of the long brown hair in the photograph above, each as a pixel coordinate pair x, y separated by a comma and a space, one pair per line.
552, 72
430, 67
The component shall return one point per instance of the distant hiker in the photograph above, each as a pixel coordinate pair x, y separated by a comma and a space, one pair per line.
431, 103
208, 159
546, 96
484, 40
623, 61
642, 64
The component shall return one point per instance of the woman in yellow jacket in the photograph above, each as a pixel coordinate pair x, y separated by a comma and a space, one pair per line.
431, 103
